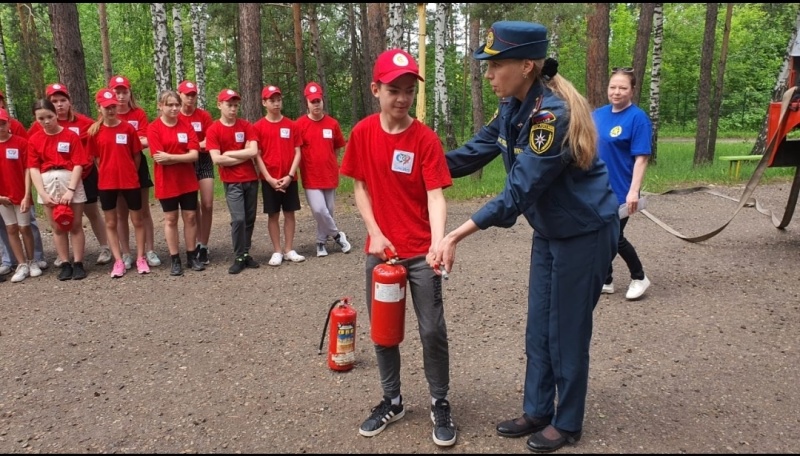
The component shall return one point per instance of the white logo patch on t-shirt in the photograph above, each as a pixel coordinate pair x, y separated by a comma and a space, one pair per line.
197, 126
285, 132
402, 161
134, 124
75, 130
239, 136
327, 133
122, 138
12, 154
183, 138
63, 147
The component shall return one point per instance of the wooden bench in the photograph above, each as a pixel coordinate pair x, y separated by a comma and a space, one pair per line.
735, 163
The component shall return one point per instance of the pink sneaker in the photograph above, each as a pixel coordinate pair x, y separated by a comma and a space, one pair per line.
142, 266
118, 270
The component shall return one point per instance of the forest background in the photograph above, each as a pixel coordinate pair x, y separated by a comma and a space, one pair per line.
706, 69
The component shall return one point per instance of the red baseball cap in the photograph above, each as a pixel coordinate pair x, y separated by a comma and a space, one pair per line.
394, 63
64, 216
227, 94
105, 98
119, 81
3, 114
187, 87
313, 91
269, 91
55, 88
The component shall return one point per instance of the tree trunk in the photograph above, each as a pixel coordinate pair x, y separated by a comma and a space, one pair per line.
105, 45
177, 37
442, 110
161, 65
360, 89
69, 56
297, 17
316, 46
30, 48
597, 54
655, 77
476, 82
395, 31
376, 38
643, 33
199, 26
6, 72
723, 59
781, 84
250, 68
701, 150
554, 38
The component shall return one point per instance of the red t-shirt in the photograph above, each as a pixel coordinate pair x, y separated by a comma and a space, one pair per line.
13, 153
276, 144
116, 148
64, 150
224, 138
17, 128
80, 125
138, 118
200, 120
179, 178
319, 165
399, 170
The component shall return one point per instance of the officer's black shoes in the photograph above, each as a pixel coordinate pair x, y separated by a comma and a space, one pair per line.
521, 426
538, 443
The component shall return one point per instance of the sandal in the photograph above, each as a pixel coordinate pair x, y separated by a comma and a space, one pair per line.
276, 260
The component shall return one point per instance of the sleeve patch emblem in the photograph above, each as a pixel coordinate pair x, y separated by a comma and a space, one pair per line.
541, 137
544, 117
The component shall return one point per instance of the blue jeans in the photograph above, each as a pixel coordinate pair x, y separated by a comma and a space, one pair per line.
38, 251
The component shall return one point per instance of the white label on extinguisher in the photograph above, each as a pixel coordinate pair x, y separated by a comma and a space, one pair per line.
389, 292
345, 345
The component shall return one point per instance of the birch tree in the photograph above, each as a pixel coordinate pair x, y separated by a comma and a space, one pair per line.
441, 99
701, 150
177, 39
299, 58
717, 102
361, 91
6, 73
655, 77
30, 47
69, 56
105, 44
199, 15
395, 31
316, 47
476, 81
158, 15
781, 84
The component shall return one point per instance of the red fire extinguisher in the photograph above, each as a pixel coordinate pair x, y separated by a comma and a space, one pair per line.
342, 339
387, 327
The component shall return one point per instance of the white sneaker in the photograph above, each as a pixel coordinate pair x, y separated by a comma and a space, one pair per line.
34, 270
321, 250
105, 256
42, 264
127, 258
276, 260
608, 288
152, 258
5, 269
21, 274
294, 257
341, 239
637, 288
57, 263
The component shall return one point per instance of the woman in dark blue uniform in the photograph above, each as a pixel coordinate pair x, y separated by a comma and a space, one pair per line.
544, 131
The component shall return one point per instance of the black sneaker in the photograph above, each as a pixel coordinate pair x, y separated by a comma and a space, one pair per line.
237, 266
444, 430
193, 262
177, 268
202, 255
380, 416
66, 271
250, 262
78, 272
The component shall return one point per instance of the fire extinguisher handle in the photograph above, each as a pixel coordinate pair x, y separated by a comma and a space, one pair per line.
390, 256
325, 327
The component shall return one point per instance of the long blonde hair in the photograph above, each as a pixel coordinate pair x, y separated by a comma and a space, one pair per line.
582, 133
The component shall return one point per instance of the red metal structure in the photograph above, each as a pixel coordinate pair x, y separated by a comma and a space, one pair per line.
787, 151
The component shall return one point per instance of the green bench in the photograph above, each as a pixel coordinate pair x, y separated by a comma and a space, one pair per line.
735, 163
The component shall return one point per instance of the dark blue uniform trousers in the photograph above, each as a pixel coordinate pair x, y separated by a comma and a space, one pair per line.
566, 278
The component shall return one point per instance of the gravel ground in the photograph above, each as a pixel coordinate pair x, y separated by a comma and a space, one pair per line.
706, 362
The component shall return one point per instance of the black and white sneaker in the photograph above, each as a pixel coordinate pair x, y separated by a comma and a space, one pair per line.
380, 416
444, 429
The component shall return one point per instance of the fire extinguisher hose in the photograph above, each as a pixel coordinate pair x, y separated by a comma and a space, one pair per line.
325, 327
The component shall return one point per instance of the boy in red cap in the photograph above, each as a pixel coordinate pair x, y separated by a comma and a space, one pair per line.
233, 144
201, 120
79, 123
129, 111
17, 129
319, 167
278, 160
399, 172
15, 199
